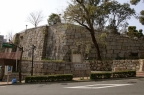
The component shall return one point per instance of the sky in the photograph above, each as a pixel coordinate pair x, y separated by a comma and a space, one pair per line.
14, 13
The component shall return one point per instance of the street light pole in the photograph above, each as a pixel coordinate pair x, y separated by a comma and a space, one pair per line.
26, 27
33, 47
20, 61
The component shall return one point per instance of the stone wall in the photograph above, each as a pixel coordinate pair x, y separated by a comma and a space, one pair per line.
48, 68
117, 65
122, 65
36, 37
63, 40
81, 69
122, 47
101, 65
60, 41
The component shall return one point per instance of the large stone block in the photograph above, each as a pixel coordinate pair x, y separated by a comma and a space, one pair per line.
45, 66
67, 72
67, 66
59, 72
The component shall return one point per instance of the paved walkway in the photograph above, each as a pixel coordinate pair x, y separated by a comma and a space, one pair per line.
75, 79
8, 83
5, 83
78, 79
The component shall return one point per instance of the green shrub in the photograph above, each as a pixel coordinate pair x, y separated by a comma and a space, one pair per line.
50, 78
120, 74
124, 74
100, 76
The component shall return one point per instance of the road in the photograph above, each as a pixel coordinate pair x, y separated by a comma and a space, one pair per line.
110, 87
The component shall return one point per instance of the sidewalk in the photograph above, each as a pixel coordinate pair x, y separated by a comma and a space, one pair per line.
78, 79
5, 83
74, 79
9, 83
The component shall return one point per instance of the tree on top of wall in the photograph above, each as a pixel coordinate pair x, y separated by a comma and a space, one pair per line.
94, 15
141, 17
132, 32
35, 18
134, 2
54, 19
119, 14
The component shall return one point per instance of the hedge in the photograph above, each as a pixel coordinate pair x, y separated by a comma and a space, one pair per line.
49, 78
100, 75
120, 74
124, 74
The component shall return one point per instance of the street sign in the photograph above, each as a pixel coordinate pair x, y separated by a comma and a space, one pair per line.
7, 45
8, 70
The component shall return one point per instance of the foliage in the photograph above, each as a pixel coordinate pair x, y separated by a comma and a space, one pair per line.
119, 14
54, 19
100, 76
102, 39
35, 18
124, 74
87, 13
132, 32
49, 78
141, 18
16, 41
94, 15
119, 74
134, 2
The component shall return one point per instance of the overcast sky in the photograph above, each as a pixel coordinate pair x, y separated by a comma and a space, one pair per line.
15, 12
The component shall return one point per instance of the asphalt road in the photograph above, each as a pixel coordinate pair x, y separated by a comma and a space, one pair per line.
111, 87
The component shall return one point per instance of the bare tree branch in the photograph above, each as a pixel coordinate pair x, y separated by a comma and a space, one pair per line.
35, 18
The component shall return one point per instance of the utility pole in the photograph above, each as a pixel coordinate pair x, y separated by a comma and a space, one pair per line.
33, 47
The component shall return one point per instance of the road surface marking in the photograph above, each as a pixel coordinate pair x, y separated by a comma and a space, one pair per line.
98, 86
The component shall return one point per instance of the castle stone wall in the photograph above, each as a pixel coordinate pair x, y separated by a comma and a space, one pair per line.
36, 37
64, 40
49, 68
60, 41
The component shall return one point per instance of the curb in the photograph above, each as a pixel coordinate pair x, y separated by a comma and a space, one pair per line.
85, 80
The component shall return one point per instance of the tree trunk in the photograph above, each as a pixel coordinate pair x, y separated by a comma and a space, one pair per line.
95, 44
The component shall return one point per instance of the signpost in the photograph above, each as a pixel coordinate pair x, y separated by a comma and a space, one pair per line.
8, 71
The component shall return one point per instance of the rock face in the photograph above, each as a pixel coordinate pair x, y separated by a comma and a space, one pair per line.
59, 41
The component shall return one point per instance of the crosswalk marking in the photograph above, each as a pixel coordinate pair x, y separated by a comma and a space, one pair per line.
98, 86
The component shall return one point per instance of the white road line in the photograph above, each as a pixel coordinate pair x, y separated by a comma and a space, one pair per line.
98, 86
